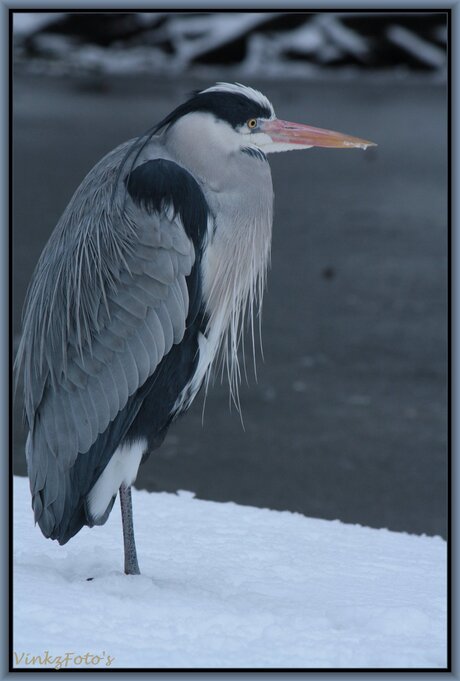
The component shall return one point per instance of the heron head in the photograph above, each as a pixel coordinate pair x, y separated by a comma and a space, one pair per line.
233, 116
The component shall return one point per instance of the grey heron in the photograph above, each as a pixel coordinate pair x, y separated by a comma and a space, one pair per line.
158, 258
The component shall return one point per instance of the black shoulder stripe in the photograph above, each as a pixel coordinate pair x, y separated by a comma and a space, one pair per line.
159, 182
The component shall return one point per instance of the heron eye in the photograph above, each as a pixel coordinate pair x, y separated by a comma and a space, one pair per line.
252, 123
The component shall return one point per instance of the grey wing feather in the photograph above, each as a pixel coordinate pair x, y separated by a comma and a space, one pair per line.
105, 333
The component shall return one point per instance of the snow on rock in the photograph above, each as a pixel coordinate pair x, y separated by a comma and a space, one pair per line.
26, 23
425, 52
228, 586
194, 36
262, 44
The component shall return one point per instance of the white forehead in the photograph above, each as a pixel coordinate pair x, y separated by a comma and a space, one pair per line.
237, 88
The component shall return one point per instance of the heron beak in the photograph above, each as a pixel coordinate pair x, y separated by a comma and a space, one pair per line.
284, 132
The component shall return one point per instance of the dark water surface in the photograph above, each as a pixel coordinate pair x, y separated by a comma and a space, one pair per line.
348, 417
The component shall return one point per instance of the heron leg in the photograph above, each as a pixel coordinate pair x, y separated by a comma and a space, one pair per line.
131, 564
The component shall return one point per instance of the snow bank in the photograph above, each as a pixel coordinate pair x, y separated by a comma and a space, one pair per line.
25, 24
227, 586
262, 44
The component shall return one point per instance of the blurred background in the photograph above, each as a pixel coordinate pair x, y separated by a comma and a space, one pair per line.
348, 417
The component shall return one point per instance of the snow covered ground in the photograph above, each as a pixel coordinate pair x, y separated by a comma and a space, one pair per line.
227, 586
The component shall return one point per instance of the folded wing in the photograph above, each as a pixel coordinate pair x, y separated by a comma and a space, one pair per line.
108, 300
